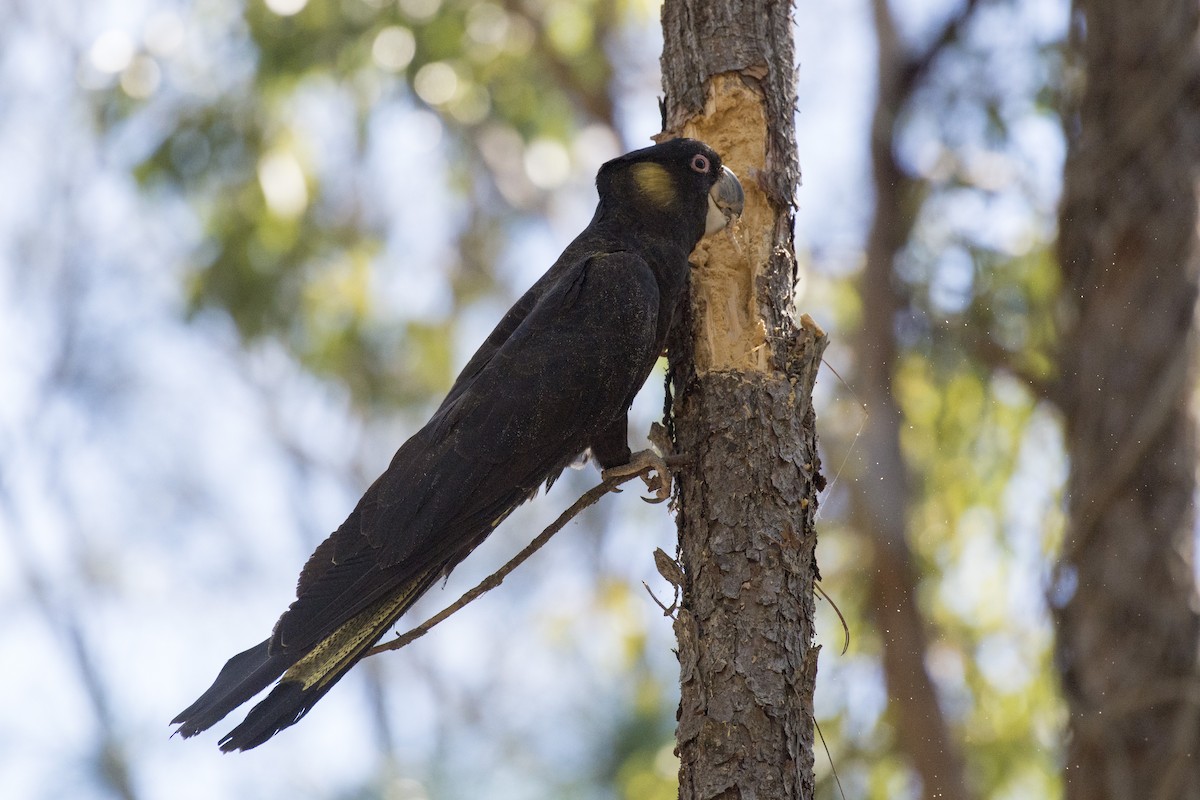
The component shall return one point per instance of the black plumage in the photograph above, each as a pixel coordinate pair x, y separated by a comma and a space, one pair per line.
555, 378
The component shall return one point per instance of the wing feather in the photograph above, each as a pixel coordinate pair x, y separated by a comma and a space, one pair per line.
571, 364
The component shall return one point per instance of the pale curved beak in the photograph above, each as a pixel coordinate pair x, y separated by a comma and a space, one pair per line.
725, 201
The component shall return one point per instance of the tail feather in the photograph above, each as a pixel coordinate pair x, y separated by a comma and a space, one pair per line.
283, 707
242, 677
308, 679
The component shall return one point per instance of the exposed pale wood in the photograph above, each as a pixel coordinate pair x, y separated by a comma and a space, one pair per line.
742, 372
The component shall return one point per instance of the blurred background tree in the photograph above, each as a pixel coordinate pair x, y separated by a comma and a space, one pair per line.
245, 246
1124, 588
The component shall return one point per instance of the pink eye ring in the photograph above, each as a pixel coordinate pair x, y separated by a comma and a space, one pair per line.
700, 163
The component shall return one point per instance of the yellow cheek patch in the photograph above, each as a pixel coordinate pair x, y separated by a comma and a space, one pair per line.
654, 182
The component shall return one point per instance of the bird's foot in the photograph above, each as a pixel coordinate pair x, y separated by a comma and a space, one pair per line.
652, 469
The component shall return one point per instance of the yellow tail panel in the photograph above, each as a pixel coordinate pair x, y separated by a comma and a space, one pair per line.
338, 650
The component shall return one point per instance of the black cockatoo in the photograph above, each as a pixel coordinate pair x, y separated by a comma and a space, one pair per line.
554, 379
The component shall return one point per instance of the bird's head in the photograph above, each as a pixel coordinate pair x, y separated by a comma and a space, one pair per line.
680, 183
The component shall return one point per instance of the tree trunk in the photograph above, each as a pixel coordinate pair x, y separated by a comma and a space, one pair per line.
1124, 589
882, 501
742, 372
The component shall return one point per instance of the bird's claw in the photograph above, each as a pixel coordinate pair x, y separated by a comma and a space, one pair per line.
651, 468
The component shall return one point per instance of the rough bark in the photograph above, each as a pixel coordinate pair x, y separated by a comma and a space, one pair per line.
742, 372
922, 733
1124, 590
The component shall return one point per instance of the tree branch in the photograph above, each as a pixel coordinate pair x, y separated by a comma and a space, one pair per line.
590, 497
922, 731
594, 100
917, 66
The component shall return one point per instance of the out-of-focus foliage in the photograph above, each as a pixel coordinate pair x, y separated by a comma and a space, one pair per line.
981, 150
327, 192
356, 189
276, 141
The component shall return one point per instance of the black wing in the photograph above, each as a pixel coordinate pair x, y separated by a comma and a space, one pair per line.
509, 323
568, 369
542, 392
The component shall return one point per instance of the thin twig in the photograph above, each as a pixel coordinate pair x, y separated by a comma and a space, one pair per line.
845, 625
666, 611
590, 497
829, 755
850, 449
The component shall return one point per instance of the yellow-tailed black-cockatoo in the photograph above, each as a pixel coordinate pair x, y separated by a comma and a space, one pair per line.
554, 379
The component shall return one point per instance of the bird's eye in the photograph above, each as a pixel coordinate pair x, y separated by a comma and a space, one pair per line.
700, 163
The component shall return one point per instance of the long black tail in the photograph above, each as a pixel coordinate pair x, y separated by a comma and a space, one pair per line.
305, 677
242, 677
283, 707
